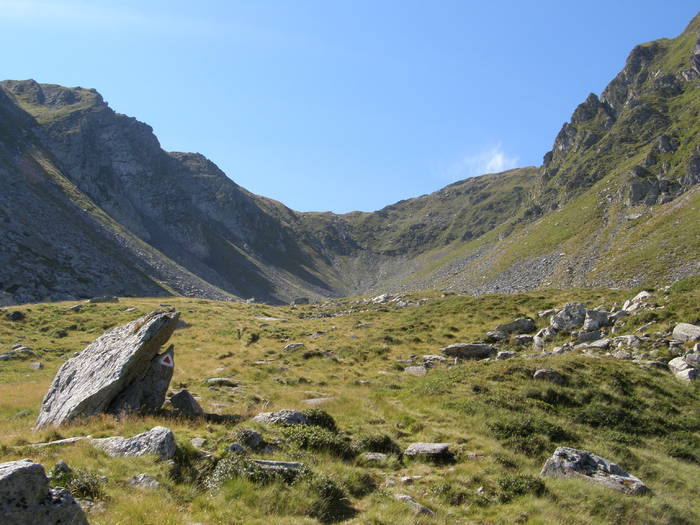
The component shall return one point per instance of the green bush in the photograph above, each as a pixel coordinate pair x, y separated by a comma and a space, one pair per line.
377, 443
80, 483
329, 501
685, 446
319, 439
514, 485
320, 418
238, 466
688, 284
528, 434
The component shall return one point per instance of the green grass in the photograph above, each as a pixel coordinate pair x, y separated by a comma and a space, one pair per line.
501, 423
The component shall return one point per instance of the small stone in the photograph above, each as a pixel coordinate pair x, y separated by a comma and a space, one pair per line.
495, 336
293, 346
505, 355
144, 481
36, 366
198, 442
222, 381
185, 402
417, 507
416, 370
550, 376
104, 299
236, 448
374, 457
15, 316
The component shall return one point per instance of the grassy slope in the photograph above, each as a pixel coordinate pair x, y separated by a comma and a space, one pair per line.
640, 418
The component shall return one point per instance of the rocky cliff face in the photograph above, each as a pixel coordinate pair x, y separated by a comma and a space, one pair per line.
93, 205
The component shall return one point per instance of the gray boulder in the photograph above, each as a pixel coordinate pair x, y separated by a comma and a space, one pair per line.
522, 325
682, 369
251, 438
585, 337
110, 369
289, 417
222, 381
144, 481
159, 441
431, 451
416, 370
568, 318
595, 319
550, 376
26, 499
495, 336
184, 402
572, 463
685, 332
469, 350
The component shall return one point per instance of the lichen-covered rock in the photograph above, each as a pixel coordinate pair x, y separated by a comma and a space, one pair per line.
114, 364
568, 318
286, 416
572, 463
469, 350
522, 325
159, 441
685, 332
26, 499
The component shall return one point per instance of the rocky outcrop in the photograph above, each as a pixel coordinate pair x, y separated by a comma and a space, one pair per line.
159, 441
572, 463
26, 499
120, 371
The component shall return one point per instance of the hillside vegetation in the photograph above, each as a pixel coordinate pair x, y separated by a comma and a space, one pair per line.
356, 358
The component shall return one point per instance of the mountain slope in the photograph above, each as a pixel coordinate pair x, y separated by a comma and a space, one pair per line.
96, 206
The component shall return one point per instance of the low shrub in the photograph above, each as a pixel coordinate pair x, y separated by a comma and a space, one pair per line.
377, 443
320, 418
513, 485
319, 439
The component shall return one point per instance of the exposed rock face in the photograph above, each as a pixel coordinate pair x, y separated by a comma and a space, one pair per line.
25, 497
110, 374
469, 350
159, 441
572, 463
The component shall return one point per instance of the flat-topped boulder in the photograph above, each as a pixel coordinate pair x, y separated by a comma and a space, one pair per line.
430, 451
120, 371
573, 463
159, 441
286, 416
522, 325
469, 350
26, 499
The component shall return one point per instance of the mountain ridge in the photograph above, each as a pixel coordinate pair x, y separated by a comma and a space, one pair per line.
174, 223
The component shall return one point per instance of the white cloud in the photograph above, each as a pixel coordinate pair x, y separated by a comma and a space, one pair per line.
491, 160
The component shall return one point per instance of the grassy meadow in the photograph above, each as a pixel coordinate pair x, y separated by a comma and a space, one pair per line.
501, 423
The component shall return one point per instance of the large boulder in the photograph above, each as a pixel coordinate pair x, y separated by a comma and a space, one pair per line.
685, 332
469, 350
159, 441
119, 371
681, 367
572, 463
26, 499
522, 325
568, 318
286, 416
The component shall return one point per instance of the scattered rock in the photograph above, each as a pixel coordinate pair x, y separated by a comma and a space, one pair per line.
431, 360
568, 318
144, 481
376, 458
622, 354
638, 301
15, 316
549, 375
431, 451
417, 507
505, 355
572, 463
278, 465
685, 332
596, 319
60, 469
522, 325
26, 499
114, 364
495, 336
469, 350
198, 442
251, 439
104, 299
66, 441
416, 370
289, 417
36, 366
293, 346
158, 440
236, 448
627, 340
222, 381
75, 308
185, 402
681, 368
318, 400
524, 339
545, 313
584, 337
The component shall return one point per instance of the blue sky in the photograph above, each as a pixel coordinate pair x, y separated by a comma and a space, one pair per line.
339, 104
